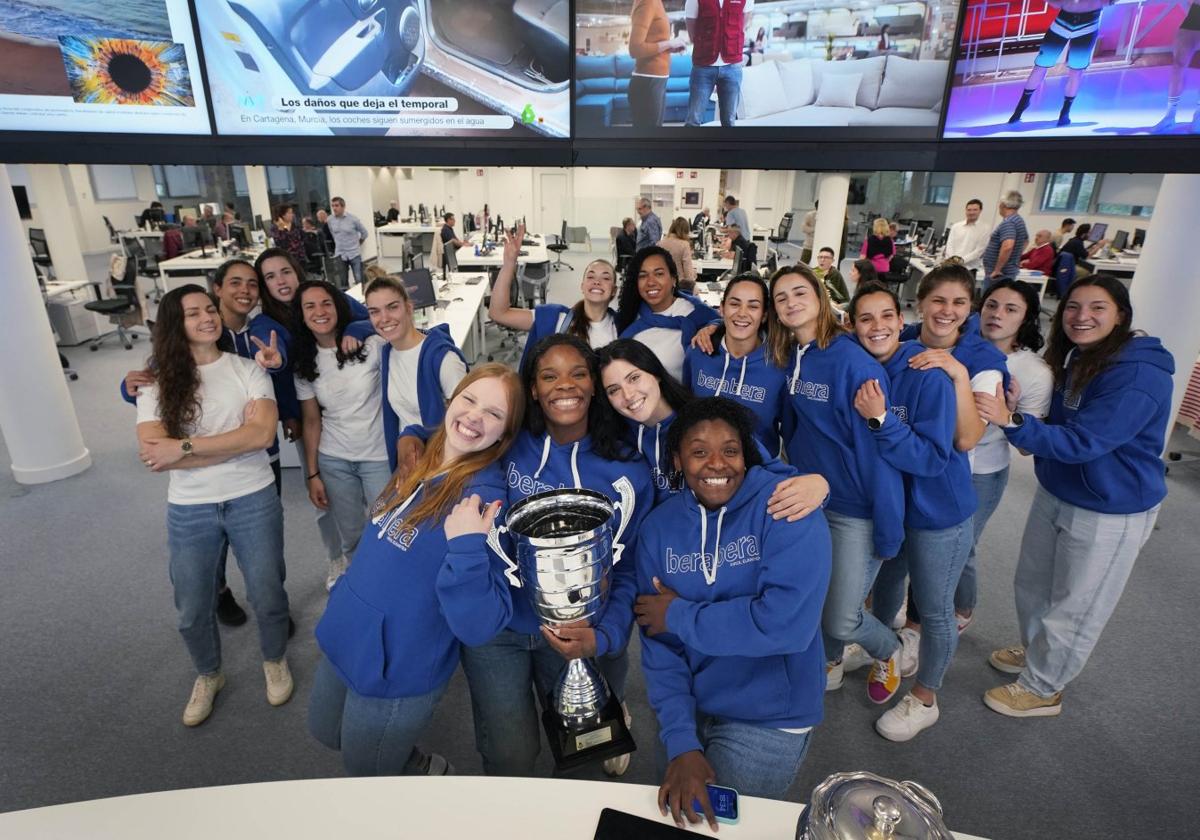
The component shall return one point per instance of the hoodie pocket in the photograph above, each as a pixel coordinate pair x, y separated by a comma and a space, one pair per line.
350, 635
746, 687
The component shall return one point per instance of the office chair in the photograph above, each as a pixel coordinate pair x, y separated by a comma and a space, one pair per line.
119, 307
113, 236
897, 273
534, 278
509, 337
557, 247
41, 250
780, 234
1064, 274
450, 259
577, 236
336, 271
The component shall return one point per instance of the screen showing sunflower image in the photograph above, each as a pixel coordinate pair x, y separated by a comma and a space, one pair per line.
124, 71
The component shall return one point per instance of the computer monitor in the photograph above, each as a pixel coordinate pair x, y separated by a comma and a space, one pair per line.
1120, 240
193, 237
238, 234
258, 223
419, 283
1139, 237
1097, 232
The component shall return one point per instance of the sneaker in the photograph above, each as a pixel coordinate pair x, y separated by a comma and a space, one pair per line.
228, 610
884, 681
618, 764
910, 650
963, 621
279, 681
855, 657
835, 673
1015, 700
439, 766
337, 568
204, 692
906, 719
900, 618
1009, 660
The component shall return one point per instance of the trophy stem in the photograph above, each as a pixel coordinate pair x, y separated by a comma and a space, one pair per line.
581, 695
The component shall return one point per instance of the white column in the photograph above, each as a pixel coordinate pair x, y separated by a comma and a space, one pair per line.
832, 191
353, 183
1164, 292
260, 197
55, 208
37, 418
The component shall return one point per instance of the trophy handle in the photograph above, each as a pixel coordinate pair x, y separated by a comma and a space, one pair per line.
624, 488
510, 568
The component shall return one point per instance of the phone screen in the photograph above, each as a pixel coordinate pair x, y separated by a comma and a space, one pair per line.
724, 802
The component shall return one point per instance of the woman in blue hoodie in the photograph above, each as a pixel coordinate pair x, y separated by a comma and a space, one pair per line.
914, 430
422, 582
419, 369
738, 366
1101, 484
653, 310
824, 434
730, 611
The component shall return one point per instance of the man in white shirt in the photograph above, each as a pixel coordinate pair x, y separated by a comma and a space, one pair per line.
969, 238
808, 227
717, 29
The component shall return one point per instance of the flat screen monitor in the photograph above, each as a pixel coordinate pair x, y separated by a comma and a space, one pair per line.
1097, 232
1120, 240
397, 68
812, 71
193, 237
22, 198
238, 234
258, 222
419, 283
1015, 62
1139, 237
121, 67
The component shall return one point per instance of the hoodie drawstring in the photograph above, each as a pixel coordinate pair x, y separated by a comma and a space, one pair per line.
545, 456
742, 377
795, 380
396, 513
574, 460
721, 381
710, 577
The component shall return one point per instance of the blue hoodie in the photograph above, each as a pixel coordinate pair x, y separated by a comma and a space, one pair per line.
537, 464
394, 621
972, 350
746, 647
823, 433
701, 315
751, 380
545, 322
1102, 450
917, 438
430, 398
651, 444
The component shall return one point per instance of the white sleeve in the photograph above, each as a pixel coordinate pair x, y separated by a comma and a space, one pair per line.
258, 383
986, 381
147, 404
1036, 393
453, 370
304, 389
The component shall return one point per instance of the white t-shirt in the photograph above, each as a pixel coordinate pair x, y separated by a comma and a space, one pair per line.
351, 403
992, 453
600, 332
691, 10
402, 382
226, 386
665, 343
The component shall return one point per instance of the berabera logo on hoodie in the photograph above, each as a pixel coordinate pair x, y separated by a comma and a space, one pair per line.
667, 480
402, 535
901, 412
527, 484
737, 552
752, 393
818, 391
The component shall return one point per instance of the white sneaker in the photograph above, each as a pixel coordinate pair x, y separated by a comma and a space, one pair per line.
337, 568
279, 681
835, 674
618, 764
855, 657
910, 650
963, 621
906, 719
901, 617
204, 693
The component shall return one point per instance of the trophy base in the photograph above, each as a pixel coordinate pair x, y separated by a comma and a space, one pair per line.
573, 749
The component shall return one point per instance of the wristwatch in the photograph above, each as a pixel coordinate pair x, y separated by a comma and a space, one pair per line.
1015, 420
876, 423
186, 446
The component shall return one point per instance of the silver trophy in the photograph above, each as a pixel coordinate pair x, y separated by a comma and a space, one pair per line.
565, 553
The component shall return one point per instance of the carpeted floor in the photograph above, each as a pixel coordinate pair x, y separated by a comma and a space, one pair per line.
94, 676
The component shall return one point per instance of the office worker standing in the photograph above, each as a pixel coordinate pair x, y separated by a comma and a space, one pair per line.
650, 230
208, 419
348, 236
1002, 257
969, 237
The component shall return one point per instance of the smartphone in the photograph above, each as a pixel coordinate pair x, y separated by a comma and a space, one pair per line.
724, 801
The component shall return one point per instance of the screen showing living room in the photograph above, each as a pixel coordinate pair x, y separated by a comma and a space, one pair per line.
823, 68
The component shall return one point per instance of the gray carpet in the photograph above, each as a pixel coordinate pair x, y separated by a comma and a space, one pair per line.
94, 676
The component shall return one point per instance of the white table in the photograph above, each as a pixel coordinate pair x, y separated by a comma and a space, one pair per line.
465, 314
1123, 264
466, 256
450, 807
387, 236
716, 265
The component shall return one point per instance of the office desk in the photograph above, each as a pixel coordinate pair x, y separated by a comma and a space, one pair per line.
186, 268
140, 234
465, 314
71, 322
390, 238
716, 265
1123, 265
392, 807
538, 253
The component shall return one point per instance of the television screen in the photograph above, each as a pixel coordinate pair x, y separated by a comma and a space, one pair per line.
22, 198
820, 69
478, 68
1074, 68
126, 66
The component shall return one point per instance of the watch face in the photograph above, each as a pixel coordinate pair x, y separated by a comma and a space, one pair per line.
873, 424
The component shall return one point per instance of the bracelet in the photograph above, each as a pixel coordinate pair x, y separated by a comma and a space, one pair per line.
311, 477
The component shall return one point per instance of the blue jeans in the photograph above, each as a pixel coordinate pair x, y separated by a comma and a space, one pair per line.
326, 523
253, 525
1073, 567
727, 79
934, 560
500, 675
855, 566
753, 760
989, 489
356, 266
351, 487
377, 736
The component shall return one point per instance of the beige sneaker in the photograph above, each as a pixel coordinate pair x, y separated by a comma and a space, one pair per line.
279, 681
1009, 660
1015, 700
618, 764
337, 568
204, 692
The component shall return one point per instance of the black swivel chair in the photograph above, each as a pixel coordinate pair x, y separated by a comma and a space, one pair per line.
557, 247
119, 308
113, 236
450, 258
897, 273
41, 250
780, 234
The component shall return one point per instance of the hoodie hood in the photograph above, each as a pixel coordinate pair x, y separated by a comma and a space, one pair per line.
1146, 349
752, 380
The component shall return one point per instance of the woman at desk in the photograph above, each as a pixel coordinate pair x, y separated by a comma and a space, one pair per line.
1079, 248
678, 241
590, 319
879, 246
286, 234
